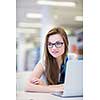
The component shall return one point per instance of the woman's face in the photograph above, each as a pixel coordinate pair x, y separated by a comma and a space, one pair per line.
56, 45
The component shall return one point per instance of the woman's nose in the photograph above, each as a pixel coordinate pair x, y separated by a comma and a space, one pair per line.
54, 47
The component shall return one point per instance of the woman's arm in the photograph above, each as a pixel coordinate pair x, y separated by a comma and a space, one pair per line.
35, 84
44, 88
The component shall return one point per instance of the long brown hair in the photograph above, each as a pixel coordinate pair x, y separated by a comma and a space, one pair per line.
52, 69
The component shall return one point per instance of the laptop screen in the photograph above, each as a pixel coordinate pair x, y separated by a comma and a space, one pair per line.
73, 85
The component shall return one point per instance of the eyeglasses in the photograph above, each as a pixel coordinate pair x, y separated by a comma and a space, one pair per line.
57, 44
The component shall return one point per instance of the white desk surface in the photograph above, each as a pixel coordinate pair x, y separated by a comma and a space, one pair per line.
21, 95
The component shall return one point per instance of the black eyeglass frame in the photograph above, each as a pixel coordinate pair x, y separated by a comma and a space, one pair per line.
57, 44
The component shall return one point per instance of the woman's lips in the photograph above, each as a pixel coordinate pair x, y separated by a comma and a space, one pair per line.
54, 52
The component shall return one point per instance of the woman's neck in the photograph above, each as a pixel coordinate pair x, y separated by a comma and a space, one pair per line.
59, 61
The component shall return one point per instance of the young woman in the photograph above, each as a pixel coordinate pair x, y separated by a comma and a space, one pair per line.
52, 65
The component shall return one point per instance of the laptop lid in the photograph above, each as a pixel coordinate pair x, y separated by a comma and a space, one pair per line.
73, 85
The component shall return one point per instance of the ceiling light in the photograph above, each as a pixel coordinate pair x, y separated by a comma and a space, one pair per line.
23, 30
56, 3
79, 18
31, 25
33, 15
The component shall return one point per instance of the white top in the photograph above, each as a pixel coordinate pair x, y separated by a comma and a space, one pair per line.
41, 61
43, 77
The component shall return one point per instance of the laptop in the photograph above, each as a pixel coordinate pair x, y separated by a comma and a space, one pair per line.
73, 86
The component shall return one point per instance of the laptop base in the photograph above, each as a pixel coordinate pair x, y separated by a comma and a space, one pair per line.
60, 94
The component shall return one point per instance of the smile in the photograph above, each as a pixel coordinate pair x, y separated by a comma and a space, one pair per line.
54, 52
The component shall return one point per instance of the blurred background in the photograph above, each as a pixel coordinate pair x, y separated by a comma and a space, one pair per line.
34, 18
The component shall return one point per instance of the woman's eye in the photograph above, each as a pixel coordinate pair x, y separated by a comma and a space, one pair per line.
58, 43
49, 44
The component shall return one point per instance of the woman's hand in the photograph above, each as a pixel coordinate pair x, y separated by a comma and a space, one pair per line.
37, 81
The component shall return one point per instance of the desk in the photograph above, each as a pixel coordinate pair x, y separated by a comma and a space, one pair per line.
21, 95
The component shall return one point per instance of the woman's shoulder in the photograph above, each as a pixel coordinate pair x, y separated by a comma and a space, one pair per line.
42, 62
